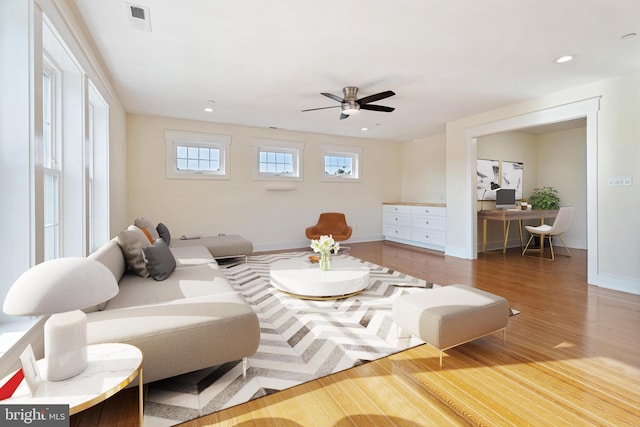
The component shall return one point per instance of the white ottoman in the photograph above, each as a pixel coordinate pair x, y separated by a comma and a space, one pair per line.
451, 315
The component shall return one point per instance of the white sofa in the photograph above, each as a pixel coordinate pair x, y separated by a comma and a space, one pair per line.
191, 320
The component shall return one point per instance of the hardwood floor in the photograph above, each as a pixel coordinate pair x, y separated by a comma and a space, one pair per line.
572, 357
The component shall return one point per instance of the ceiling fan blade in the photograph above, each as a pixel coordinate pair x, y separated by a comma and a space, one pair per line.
320, 108
343, 116
376, 97
377, 108
332, 96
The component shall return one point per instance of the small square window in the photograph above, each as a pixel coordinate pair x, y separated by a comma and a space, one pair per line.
194, 155
277, 160
340, 163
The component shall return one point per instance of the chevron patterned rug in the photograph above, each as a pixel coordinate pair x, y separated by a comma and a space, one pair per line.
301, 340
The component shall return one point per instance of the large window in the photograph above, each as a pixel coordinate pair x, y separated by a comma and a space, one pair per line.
277, 160
50, 162
197, 155
340, 163
45, 179
75, 154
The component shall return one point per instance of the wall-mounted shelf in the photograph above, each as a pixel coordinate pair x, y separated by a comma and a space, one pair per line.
279, 187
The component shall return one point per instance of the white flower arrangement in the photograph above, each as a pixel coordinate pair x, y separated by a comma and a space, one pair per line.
325, 245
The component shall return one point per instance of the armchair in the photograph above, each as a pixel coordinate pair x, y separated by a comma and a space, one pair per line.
330, 223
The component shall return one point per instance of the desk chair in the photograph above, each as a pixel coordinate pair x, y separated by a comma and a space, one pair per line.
560, 225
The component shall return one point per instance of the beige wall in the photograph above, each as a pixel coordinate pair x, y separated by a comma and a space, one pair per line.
618, 132
562, 164
270, 219
424, 170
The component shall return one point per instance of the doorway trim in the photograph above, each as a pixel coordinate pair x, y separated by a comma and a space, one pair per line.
588, 109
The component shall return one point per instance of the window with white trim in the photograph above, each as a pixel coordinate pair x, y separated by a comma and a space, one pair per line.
340, 163
51, 171
97, 158
197, 155
277, 160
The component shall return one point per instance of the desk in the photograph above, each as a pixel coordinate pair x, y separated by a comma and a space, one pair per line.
506, 216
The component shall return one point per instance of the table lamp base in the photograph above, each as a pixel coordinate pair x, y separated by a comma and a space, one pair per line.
65, 345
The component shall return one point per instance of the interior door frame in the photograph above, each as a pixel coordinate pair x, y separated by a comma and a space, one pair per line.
588, 109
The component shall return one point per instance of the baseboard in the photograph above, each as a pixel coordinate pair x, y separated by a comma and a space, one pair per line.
497, 246
629, 286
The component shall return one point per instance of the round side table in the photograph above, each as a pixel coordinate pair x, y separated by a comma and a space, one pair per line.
110, 368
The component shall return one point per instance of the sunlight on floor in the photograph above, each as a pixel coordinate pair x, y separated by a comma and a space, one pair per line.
565, 344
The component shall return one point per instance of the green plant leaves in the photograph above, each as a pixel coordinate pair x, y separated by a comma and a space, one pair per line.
545, 198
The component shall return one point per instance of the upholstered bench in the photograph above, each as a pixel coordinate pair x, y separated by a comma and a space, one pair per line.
451, 315
222, 246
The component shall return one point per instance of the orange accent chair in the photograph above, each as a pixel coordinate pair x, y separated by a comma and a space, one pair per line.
330, 223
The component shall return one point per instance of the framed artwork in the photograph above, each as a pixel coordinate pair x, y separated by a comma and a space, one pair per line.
487, 177
511, 176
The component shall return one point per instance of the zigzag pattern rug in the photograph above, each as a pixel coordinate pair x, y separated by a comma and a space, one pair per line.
300, 340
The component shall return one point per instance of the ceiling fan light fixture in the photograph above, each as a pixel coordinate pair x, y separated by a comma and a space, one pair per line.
350, 108
351, 104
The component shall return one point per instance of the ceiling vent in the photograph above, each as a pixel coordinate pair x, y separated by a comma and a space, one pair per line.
139, 17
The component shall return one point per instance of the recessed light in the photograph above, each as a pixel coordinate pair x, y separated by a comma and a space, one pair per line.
208, 109
364, 129
564, 58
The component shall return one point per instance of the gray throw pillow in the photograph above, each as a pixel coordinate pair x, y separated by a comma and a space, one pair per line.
163, 231
147, 225
131, 242
159, 259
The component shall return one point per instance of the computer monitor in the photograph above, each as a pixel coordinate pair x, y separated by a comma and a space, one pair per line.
506, 198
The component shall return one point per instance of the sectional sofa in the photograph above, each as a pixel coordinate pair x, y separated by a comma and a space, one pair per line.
174, 303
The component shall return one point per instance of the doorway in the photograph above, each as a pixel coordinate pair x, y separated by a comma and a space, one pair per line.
587, 109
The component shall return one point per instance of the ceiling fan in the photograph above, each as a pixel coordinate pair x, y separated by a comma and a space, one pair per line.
350, 103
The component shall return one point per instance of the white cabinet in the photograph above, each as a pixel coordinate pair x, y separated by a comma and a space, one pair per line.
397, 221
421, 225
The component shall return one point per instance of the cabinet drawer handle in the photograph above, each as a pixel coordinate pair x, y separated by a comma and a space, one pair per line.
426, 222
427, 236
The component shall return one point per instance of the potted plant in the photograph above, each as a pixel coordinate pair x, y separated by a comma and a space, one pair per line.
545, 198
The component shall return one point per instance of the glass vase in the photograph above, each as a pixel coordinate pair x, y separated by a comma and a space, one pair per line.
325, 261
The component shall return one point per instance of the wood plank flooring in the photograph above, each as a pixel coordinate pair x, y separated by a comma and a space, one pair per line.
572, 357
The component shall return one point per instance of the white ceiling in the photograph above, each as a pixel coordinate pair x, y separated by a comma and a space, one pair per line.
264, 61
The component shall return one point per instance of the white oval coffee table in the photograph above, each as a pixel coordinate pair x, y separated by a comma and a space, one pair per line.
302, 279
